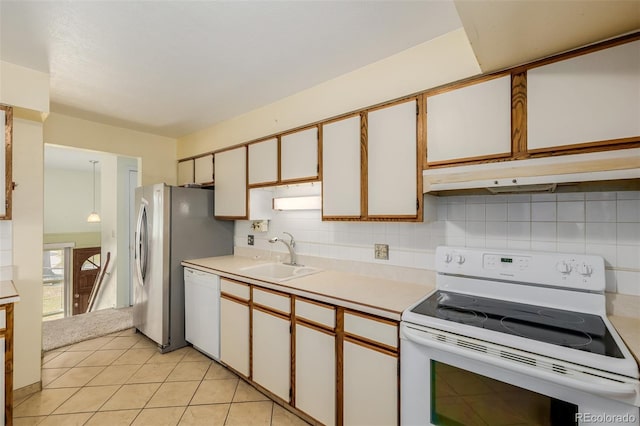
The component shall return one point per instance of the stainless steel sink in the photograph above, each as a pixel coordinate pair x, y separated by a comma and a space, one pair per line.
278, 271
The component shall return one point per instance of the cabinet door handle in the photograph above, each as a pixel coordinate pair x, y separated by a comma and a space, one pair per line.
77, 296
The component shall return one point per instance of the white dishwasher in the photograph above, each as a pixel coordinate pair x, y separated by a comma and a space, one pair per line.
202, 311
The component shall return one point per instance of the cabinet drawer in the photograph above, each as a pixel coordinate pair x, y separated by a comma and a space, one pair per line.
316, 313
372, 329
233, 288
3, 319
272, 300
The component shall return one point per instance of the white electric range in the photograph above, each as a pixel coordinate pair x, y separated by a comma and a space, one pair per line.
515, 337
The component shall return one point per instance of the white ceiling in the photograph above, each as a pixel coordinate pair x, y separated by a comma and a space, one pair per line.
175, 67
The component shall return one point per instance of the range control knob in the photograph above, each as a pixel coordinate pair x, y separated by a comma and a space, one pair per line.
459, 259
563, 267
448, 258
585, 269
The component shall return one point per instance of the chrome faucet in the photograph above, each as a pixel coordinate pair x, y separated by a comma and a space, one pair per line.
290, 245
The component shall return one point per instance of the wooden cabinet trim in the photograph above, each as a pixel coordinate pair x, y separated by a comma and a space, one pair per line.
340, 366
314, 302
471, 160
589, 146
371, 345
271, 311
8, 365
233, 298
519, 115
315, 326
364, 164
8, 166
372, 317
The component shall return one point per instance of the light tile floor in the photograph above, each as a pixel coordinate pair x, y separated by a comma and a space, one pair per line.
122, 379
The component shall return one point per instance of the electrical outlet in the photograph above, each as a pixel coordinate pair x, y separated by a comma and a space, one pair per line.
381, 251
260, 225
250, 240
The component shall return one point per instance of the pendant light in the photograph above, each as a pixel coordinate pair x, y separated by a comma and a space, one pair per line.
94, 217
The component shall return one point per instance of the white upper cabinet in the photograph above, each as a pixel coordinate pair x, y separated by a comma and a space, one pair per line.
470, 122
341, 168
231, 183
185, 172
203, 169
299, 155
263, 162
392, 160
589, 98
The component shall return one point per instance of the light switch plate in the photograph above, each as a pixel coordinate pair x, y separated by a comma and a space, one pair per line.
381, 251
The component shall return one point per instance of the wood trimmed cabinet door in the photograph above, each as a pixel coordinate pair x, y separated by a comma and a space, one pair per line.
185, 172
370, 370
271, 342
263, 163
315, 360
203, 170
392, 162
235, 326
590, 99
470, 123
231, 183
341, 169
299, 156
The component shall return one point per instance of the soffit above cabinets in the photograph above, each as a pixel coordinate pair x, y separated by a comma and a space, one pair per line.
504, 34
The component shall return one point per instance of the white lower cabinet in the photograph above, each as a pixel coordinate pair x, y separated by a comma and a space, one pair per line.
234, 335
272, 352
370, 379
315, 359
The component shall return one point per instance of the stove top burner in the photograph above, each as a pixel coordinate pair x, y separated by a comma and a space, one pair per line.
522, 326
460, 315
585, 332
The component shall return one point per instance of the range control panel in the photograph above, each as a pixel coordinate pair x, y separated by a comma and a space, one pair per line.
575, 271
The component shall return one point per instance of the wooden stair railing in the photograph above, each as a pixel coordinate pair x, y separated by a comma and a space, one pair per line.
98, 283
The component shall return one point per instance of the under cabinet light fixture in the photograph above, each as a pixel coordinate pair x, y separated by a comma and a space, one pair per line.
94, 217
312, 202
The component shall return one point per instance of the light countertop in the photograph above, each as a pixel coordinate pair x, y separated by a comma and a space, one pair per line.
382, 297
8, 293
629, 330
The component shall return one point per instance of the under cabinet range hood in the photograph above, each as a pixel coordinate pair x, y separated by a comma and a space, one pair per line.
598, 171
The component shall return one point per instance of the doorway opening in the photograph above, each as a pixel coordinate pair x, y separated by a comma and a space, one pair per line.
70, 196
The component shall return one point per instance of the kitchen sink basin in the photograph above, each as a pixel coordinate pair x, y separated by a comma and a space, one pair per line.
278, 271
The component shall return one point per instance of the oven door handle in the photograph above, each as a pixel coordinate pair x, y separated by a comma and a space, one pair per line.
595, 385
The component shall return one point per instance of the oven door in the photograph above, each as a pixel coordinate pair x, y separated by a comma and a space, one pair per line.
460, 384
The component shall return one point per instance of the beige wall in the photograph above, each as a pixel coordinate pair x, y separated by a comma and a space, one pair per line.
27, 221
28, 91
157, 153
445, 59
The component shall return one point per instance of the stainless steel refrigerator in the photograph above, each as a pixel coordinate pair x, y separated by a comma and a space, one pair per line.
172, 224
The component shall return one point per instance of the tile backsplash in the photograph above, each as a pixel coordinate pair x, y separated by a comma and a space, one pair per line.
600, 223
6, 259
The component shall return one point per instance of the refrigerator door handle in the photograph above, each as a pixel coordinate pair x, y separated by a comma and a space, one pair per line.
142, 244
